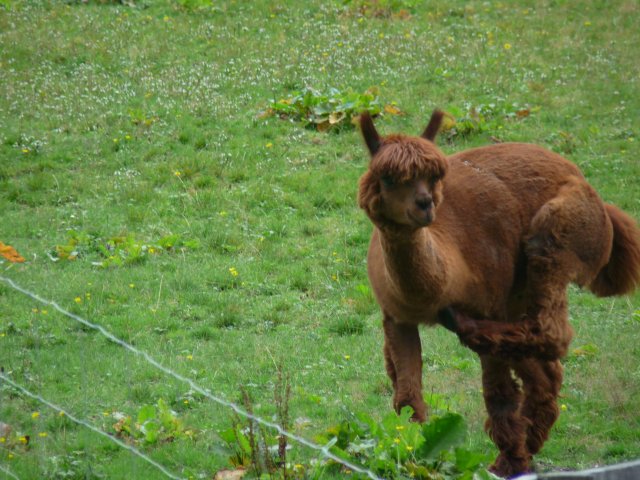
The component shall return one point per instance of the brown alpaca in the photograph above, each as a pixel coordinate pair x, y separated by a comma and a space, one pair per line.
485, 243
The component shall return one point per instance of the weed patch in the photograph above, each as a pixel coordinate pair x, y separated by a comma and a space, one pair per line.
333, 110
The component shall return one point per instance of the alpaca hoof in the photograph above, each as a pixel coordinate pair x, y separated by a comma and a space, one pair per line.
509, 467
419, 409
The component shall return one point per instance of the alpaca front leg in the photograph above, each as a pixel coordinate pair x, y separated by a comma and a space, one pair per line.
403, 358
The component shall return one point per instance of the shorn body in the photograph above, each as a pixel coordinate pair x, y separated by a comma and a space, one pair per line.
485, 242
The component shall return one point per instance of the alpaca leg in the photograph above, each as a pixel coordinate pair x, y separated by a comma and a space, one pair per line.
403, 359
544, 332
541, 381
505, 426
389, 366
569, 240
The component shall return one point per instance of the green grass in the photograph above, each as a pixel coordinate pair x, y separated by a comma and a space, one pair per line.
143, 122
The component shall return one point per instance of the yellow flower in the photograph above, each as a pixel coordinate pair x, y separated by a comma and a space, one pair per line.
409, 448
396, 440
189, 357
23, 439
587, 23
42, 434
132, 285
233, 272
347, 357
2, 439
35, 415
507, 46
177, 173
10, 456
399, 427
563, 407
77, 300
269, 145
61, 414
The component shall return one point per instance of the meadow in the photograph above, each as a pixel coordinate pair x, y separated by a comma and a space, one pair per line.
158, 181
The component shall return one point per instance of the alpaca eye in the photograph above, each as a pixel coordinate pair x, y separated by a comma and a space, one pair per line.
387, 181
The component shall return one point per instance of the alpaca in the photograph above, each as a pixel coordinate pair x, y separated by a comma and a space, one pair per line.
485, 242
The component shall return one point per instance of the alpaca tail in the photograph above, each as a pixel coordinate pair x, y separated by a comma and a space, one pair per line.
622, 274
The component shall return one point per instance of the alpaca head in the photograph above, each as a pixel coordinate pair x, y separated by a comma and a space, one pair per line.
403, 186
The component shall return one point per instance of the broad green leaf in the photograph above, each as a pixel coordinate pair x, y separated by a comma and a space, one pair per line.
468, 460
147, 412
151, 431
441, 434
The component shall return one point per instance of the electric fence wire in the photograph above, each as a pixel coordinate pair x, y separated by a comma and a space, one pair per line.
324, 450
62, 411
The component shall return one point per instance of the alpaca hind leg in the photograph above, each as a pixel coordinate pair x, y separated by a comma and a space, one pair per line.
565, 244
541, 381
505, 425
403, 359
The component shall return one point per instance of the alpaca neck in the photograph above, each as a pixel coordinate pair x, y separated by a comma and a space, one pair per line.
413, 262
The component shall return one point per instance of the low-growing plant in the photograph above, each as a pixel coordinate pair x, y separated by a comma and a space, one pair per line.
476, 119
398, 448
394, 448
382, 8
252, 447
73, 466
328, 111
116, 250
153, 424
194, 4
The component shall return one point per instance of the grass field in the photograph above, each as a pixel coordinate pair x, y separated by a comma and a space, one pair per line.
149, 195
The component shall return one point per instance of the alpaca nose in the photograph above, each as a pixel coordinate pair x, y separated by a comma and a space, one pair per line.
424, 202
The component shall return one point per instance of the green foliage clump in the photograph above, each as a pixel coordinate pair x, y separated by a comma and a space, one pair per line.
251, 447
328, 111
116, 250
486, 117
398, 448
154, 424
383, 8
394, 448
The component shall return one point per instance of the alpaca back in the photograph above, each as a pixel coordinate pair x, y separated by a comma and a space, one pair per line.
491, 195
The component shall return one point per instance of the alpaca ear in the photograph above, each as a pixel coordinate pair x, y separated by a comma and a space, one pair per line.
434, 125
369, 132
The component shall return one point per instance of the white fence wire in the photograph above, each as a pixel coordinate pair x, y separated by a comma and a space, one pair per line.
8, 473
324, 450
71, 417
